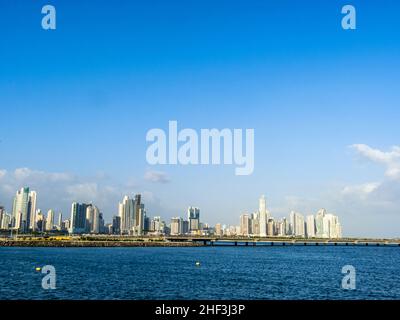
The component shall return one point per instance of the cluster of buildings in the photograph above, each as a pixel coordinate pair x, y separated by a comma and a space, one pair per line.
86, 218
262, 224
132, 219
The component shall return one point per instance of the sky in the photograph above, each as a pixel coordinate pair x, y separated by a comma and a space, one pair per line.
76, 104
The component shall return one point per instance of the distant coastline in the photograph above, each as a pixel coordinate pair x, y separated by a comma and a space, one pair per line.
187, 242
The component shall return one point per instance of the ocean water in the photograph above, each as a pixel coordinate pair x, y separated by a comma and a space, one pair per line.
292, 272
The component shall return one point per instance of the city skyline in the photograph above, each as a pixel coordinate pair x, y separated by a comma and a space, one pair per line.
132, 219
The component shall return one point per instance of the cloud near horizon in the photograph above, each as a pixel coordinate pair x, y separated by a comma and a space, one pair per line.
382, 194
389, 159
156, 176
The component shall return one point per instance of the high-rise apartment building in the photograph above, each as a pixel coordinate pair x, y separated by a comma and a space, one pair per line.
193, 215
132, 214
271, 227
116, 225
78, 218
59, 222
263, 216
50, 220
24, 208
245, 225
319, 223
176, 226
297, 224
310, 226
218, 230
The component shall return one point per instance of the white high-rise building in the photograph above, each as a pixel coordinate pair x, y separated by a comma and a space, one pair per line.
157, 225
332, 228
92, 219
127, 213
297, 224
263, 217
32, 210
24, 208
176, 226
50, 220
59, 222
310, 226
5, 221
96, 221
245, 225
132, 214
89, 218
319, 223
281, 227
218, 230
255, 224
2, 213
271, 227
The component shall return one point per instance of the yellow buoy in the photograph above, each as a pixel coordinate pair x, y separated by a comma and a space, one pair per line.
38, 268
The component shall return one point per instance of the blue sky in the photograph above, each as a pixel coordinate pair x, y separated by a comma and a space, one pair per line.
79, 100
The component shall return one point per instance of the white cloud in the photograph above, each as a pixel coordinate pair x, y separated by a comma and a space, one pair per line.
390, 159
34, 175
3, 173
156, 176
83, 192
57, 190
362, 190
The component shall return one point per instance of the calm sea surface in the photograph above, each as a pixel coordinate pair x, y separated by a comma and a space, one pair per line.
225, 273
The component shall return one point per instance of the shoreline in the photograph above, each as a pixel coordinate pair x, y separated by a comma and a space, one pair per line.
94, 244
121, 243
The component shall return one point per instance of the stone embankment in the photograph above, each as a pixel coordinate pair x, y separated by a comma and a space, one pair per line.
100, 244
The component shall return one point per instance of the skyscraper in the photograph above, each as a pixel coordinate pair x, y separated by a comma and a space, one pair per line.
185, 226
24, 208
97, 223
92, 219
2, 213
271, 227
255, 224
59, 222
331, 225
310, 226
126, 213
100, 226
132, 215
116, 225
50, 220
39, 221
78, 218
245, 225
218, 230
5, 221
193, 215
138, 223
157, 225
281, 227
263, 218
297, 224
32, 210
176, 226
319, 223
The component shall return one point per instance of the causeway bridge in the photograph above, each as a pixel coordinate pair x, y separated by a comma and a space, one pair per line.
283, 241
185, 241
